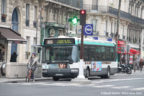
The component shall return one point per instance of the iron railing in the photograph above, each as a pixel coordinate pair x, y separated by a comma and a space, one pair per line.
74, 3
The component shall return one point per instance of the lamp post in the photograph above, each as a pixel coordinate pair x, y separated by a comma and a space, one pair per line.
118, 20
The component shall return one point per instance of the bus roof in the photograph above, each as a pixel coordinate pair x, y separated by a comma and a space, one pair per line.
89, 41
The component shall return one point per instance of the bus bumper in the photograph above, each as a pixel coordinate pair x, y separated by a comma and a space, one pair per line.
62, 73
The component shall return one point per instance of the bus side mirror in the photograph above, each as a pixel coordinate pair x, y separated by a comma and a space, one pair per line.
70, 60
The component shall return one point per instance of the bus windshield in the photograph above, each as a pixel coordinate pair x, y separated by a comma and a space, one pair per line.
56, 54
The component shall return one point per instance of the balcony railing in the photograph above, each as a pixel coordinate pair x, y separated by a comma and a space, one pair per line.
113, 11
74, 3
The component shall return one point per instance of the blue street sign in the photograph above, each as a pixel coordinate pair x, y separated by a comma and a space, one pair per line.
109, 39
95, 38
88, 29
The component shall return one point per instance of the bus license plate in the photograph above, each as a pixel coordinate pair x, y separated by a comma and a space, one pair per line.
59, 74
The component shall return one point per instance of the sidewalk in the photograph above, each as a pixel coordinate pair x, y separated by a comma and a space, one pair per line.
9, 80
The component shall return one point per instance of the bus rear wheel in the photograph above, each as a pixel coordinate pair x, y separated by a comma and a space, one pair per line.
55, 78
107, 74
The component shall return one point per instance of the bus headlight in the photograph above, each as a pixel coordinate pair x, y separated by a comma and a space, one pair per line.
74, 71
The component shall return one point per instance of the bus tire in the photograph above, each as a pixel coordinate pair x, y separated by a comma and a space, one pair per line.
2, 70
87, 73
108, 73
55, 78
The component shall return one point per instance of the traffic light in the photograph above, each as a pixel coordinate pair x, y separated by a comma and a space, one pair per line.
82, 17
74, 20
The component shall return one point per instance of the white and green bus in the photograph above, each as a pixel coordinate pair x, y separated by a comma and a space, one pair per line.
62, 56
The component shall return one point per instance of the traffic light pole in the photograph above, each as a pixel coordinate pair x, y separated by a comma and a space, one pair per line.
81, 78
82, 47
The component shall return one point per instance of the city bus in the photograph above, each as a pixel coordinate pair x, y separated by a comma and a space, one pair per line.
62, 57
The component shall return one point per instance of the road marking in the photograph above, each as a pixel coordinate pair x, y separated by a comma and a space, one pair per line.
53, 84
114, 80
102, 86
138, 89
120, 87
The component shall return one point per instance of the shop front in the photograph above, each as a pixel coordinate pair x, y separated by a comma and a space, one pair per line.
10, 42
126, 53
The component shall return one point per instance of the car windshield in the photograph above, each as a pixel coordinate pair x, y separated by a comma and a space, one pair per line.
61, 54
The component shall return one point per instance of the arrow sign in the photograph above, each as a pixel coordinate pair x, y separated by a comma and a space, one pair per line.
88, 29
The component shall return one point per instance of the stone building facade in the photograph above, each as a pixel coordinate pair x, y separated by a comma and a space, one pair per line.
31, 21
56, 15
103, 15
22, 16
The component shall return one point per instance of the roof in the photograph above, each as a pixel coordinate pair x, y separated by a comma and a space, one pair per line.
11, 35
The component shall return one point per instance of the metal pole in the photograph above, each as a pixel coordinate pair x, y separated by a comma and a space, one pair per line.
81, 48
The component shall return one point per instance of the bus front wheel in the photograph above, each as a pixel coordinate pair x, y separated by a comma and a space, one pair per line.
55, 78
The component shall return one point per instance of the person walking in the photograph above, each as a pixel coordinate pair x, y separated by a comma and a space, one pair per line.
135, 62
141, 64
32, 65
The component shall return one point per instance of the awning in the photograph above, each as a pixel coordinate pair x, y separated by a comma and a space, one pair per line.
134, 51
11, 35
121, 43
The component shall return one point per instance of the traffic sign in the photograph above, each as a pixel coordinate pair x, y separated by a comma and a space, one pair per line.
88, 29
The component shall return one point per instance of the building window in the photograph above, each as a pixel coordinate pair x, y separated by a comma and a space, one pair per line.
54, 14
35, 17
15, 20
28, 47
34, 41
142, 12
132, 9
94, 4
115, 27
3, 10
106, 28
3, 6
123, 34
27, 14
94, 22
112, 34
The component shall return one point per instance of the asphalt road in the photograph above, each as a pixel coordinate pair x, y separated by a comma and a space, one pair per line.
117, 85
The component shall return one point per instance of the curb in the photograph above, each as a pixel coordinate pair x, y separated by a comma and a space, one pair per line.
21, 80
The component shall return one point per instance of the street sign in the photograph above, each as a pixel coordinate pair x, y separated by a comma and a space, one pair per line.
88, 29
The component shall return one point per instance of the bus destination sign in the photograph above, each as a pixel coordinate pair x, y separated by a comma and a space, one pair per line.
60, 41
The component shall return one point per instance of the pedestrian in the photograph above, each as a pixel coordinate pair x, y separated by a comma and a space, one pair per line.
141, 64
123, 59
13, 57
135, 62
32, 65
0, 55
